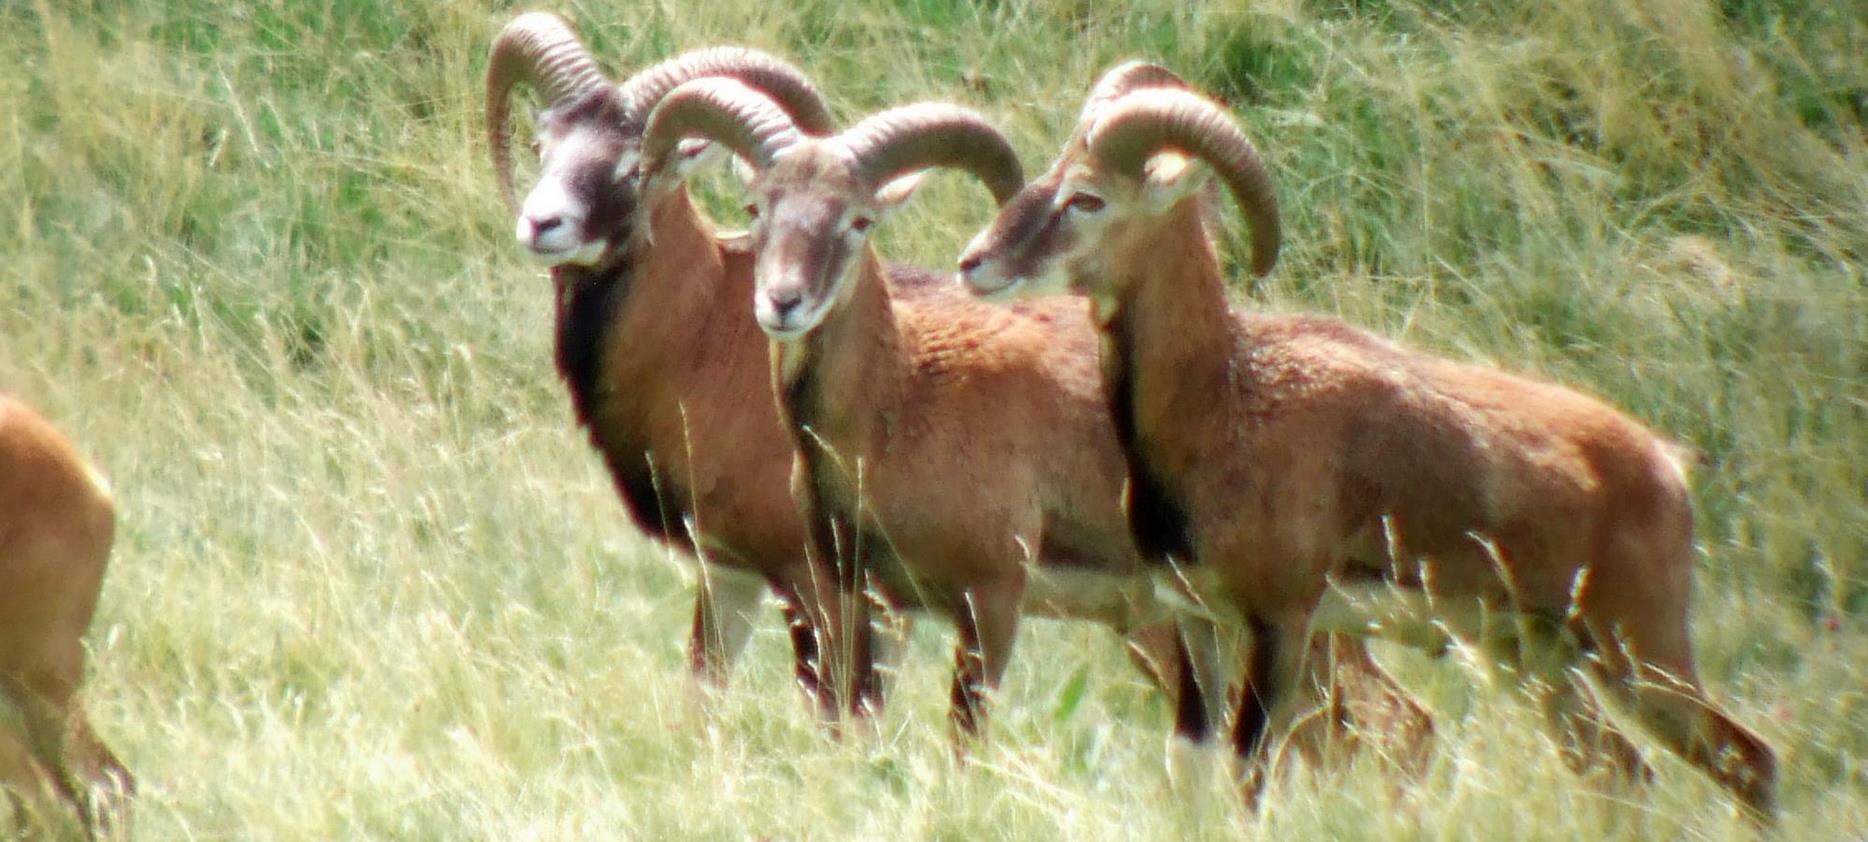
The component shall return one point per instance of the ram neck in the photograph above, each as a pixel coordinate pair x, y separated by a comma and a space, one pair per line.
838, 384
626, 334
1167, 351
679, 282
647, 296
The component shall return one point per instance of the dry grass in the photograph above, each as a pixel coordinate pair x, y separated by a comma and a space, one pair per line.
371, 584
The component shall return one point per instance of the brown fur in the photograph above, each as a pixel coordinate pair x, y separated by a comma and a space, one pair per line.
56, 525
953, 442
695, 460
677, 401
1301, 449
981, 445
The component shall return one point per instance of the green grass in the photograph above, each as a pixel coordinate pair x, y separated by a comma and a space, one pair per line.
371, 583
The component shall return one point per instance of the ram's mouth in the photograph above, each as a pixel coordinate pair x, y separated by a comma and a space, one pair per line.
789, 326
581, 254
992, 289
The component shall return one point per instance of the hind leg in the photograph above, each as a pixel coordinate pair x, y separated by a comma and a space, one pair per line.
109, 786
1673, 707
1544, 655
1586, 738
1642, 655
1367, 706
58, 738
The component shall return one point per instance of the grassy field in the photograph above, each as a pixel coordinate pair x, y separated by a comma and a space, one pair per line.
371, 583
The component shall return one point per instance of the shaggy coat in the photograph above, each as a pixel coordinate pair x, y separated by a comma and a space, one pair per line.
1318, 477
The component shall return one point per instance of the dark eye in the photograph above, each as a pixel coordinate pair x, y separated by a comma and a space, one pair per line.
536, 147
1085, 202
752, 209
861, 223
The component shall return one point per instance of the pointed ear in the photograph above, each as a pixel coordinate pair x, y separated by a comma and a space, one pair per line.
1171, 177
893, 195
690, 156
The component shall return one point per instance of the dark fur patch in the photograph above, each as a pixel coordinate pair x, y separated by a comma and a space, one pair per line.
588, 303
1190, 711
1248, 732
798, 397
1156, 518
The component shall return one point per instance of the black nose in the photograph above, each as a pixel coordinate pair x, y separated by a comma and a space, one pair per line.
970, 262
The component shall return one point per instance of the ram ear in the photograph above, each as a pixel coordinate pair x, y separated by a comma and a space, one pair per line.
693, 155
689, 157
744, 172
1171, 177
891, 196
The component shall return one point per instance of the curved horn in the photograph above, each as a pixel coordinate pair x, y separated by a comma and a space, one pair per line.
722, 110
1143, 124
540, 49
900, 140
1123, 79
784, 83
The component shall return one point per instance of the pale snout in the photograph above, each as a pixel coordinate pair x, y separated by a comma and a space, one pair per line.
782, 313
981, 276
551, 226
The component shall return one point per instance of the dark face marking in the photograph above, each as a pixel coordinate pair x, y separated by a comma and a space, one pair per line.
588, 187
1028, 247
808, 234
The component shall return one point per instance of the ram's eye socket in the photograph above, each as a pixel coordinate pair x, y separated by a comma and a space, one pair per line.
860, 224
1085, 202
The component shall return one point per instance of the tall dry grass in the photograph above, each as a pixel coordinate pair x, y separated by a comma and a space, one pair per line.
371, 583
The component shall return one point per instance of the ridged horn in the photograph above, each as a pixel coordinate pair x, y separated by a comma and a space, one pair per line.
778, 79
725, 111
539, 49
1124, 79
898, 141
1138, 126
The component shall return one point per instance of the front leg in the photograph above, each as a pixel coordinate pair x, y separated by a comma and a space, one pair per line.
890, 626
987, 619
1200, 698
802, 603
840, 609
1269, 702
